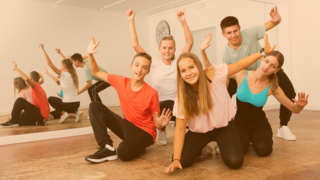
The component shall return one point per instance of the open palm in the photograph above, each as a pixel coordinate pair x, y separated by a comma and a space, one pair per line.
92, 46
302, 99
14, 65
206, 42
275, 16
165, 117
267, 48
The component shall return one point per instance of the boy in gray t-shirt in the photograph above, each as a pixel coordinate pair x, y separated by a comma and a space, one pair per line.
93, 89
246, 42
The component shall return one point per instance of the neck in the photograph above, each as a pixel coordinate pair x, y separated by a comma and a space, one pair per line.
258, 77
166, 61
237, 45
195, 86
82, 64
136, 85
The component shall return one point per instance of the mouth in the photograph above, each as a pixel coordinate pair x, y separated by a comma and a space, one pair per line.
264, 71
191, 77
138, 74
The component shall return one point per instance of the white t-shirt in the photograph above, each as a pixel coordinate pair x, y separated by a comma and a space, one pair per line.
164, 78
70, 93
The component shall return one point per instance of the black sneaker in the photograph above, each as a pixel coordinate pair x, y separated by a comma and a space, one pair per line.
41, 123
103, 154
9, 124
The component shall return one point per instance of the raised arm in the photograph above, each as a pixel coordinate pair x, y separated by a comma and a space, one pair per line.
285, 101
205, 44
92, 62
160, 121
51, 76
87, 86
22, 75
178, 142
189, 40
41, 80
49, 62
247, 61
59, 52
133, 34
275, 19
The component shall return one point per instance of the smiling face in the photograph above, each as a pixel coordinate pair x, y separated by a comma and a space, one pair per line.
269, 65
140, 67
189, 71
232, 33
167, 49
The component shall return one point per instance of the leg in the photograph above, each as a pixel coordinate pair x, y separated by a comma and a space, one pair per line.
168, 104
70, 107
232, 87
244, 138
95, 89
230, 146
57, 104
262, 140
29, 116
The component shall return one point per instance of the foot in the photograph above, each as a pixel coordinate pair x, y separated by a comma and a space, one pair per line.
79, 116
63, 117
105, 153
9, 124
41, 123
161, 138
217, 150
285, 133
206, 151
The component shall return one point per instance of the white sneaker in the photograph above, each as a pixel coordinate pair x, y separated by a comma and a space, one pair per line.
88, 117
206, 151
161, 138
50, 117
217, 150
79, 116
286, 134
63, 117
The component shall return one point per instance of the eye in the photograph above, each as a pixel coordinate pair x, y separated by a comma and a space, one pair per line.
144, 68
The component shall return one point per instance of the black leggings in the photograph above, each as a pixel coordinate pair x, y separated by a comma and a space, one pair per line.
168, 104
287, 87
59, 106
260, 136
227, 140
95, 89
135, 140
25, 113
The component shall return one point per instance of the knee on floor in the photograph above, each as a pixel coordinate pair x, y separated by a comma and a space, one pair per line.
263, 149
234, 162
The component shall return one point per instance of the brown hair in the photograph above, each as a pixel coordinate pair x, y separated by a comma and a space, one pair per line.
189, 98
170, 38
35, 76
72, 71
77, 57
143, 54
273, 77
21, 83
229, 21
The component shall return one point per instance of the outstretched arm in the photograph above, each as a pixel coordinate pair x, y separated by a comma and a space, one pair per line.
275, 19
87, 86
293, 107
205, 44
92, 62
59, 52
189, 40
247, 61
51, 76
133, 34
22, 75
49, 62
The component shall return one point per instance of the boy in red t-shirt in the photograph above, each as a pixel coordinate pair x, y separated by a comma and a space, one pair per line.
140, 107
25, 113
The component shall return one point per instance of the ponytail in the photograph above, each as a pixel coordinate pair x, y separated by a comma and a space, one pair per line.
273, 82
72, 71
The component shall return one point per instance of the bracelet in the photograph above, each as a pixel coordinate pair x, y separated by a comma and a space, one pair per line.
175, 159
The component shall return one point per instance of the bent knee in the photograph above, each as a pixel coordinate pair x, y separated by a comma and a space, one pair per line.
263, 150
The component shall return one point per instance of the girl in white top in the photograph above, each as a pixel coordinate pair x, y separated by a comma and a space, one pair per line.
69, 85
164, 71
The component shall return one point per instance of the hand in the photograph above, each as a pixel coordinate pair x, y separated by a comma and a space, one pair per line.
130, 14
165, 117
175, 164
15, 66
206, 42
69, 57
275, 16
302, 99
58, 50
58, 94
45, 70
92, 46
180, 16
41, 46
267, 48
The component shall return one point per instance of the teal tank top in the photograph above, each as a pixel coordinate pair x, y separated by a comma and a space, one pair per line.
244, 94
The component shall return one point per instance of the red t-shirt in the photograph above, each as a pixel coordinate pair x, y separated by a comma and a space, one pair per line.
39, 99
137, 106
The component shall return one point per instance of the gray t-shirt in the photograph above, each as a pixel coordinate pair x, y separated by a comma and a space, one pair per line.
87, 72
250, 45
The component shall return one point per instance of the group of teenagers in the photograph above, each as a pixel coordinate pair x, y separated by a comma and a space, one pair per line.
196, 98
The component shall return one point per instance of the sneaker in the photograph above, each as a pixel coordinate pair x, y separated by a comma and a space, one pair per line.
285, 133
79, 116
217, 150
64, 117
161, 138
9, 124
206, 151
88, 117
106, 153
43, 123
50, 117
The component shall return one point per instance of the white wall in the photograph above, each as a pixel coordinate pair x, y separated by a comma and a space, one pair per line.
25, 24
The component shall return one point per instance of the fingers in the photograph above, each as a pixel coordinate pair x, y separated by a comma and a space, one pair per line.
97, 44
273, 48
294, 100
163, 111
168, 112
266, 38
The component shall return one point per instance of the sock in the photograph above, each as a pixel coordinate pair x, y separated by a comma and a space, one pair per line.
110, 147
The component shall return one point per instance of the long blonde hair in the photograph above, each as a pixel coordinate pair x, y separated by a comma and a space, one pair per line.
273, 77
72, 71
20, 83
170, 38
189, 98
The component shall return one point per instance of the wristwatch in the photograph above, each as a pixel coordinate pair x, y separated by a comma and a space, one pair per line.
262, 52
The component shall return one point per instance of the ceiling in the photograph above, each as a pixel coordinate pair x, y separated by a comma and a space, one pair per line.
146, 7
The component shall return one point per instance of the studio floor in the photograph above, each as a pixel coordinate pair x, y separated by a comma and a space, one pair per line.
64, 158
